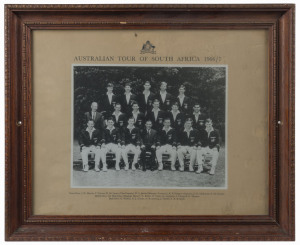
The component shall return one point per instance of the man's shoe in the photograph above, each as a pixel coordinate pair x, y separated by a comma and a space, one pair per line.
117, 167
173, 168
97, 169
160, 166
191, 168
200, 168
126, 167
104, 169
181, 169
133, 167
86, 168
212, 171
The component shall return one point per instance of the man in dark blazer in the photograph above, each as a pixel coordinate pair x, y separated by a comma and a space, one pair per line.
156, 116
111, 142
132, 142
108, 101
126, 100
198, 117
210, 145
184, 102
150, 141
95, 116
164, 97
177, 118
146, 99
189, 141
89, 142
120, 119
167, 144
139, 117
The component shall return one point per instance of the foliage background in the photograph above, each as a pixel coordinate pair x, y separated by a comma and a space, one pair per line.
206, 85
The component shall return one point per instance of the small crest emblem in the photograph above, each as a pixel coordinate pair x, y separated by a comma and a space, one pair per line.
148, 48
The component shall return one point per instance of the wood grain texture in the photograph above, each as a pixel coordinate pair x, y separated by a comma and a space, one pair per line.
22, 225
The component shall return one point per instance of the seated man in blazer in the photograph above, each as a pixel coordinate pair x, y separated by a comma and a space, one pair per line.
132, 142
150, 141
189, 140
210, 145
96, 117
89, 141
167, 144
111, 142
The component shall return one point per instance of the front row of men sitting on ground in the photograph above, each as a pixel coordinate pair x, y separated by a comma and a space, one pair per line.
151, 143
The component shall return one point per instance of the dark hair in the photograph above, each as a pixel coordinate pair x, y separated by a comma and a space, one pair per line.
156, 100
127, 84
147, 82
130, 119
197, 104
167, 118
109, 85
163, 82
118, 104
182, 86
175, 103
208, 120
149, 121
134, 103
110, 119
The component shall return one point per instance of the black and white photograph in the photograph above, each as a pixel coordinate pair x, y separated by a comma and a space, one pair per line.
149, 126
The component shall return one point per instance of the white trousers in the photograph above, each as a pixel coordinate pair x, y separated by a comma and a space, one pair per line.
206, 150
182, 151
85, 153
131, 149
166, 149
111, 148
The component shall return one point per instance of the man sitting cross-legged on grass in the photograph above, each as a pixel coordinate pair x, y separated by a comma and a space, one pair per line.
189, 140
111, 142
167, 141
210, 145
89, 141
132, 140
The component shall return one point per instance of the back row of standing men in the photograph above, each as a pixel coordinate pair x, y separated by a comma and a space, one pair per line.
160, 124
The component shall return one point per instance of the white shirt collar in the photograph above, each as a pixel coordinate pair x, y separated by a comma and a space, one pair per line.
128, 94
113, 127
109, 94
166, 130
162, 92
114, 113
144, 92
130, 127
136, 112
188, 131
87, 129
212, 129
180, 97
176, 112
199, 113
157, 109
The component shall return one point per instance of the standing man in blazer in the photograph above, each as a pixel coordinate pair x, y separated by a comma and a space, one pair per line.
127, 99
150, 141
184, 102
109, 101
96, 117
198, 117
139, 117
119, 117
164, 97
177, 118
90, 141
156, 116
146, 99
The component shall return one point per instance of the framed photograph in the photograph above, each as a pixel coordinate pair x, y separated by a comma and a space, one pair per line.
150, 122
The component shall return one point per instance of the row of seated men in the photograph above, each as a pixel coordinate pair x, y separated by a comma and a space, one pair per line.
166, 140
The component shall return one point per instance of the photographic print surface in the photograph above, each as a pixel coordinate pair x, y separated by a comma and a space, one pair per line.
149, 126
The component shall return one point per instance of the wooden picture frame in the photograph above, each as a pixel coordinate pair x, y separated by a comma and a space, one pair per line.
22, 225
